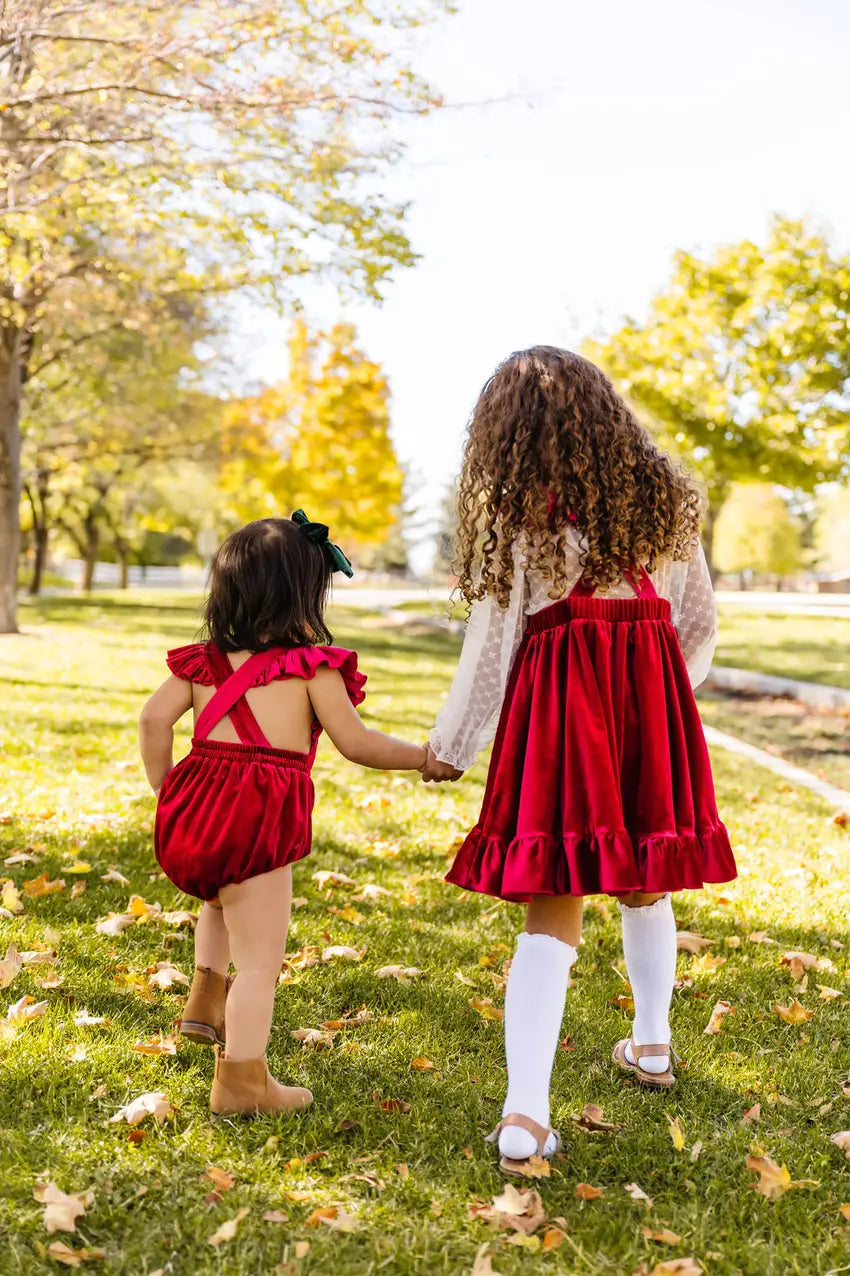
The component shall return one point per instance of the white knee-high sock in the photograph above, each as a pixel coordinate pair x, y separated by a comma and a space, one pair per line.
534, 1007
649, 946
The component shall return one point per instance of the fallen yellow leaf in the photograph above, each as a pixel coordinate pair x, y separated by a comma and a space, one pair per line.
154, 1103
586, 1192
227, 1231
486, 1009
842, 1140
676, 1132
665, 1236
715, 1023
38, 886
61, 1209
421, 1064
793, 1013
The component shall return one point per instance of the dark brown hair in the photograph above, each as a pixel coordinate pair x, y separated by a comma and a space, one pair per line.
268, 588
551, 441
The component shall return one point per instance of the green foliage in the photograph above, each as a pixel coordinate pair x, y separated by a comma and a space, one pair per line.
743, 362
756, 531
321, 440
832, 530
72, 788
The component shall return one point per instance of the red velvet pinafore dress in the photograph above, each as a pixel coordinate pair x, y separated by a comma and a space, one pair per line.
600, 780
231, 811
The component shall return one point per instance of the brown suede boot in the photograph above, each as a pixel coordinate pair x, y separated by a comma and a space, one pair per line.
245, 1087
203, 1014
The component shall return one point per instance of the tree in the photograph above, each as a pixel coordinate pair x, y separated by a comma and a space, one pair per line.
755, 531
743, 363
94, 426
320, 439
444, 550
248, 132
832, 530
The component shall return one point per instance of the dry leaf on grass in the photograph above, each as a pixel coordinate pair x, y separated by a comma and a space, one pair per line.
227, 1231
677, 1134
139, 908
157, 1046
114, 923
718, 1014
326, 877
61, 1209
844, 1211
691, 941
752, 1115
624, 1002
347, 914
78, 866
180, 917
793, 1013
62, 1253
373, 892
486, 1009
587, 1192
20, 857
592, 1118
825, 993
664, 1235
114, 876
10, 966
554, 1237
83, 1019
798, 962
513, 1209
483, 1265
164, 975
708, 963
11, 898
275, 1216
845, 1089
38, 957
842, 1140
220, 1179
391, 1105
25, 1009
760, 937
52, 979
421, 1064
404, 974
38, 886
774, 1180
674, 1267
313, 1038
335, 1217
343, 952
154, 1103
637, 1193
78, 889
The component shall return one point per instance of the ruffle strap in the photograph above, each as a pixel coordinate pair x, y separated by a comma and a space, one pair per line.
596, 863
191, 664
304, 662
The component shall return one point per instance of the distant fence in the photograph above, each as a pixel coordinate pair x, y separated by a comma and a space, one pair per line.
108, 575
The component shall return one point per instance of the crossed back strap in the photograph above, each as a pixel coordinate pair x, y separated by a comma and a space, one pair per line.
643, 586
229, 698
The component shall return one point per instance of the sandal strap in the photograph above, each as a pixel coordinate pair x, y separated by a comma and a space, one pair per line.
650, 1051
534, 1128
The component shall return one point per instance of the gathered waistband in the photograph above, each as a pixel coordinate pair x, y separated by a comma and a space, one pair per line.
233, 751
603, 609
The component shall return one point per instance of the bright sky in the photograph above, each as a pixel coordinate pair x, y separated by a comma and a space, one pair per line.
624, 131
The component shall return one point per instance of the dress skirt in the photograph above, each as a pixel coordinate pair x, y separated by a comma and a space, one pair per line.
599, 780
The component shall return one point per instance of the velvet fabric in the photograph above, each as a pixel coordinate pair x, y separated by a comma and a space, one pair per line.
228, 812
599, 780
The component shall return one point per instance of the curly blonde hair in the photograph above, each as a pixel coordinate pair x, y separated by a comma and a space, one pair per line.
550, 441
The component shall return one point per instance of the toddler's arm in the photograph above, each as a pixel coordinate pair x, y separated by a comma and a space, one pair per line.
156, 727
352, 737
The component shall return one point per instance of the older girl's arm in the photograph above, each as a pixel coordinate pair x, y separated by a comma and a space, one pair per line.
156, 727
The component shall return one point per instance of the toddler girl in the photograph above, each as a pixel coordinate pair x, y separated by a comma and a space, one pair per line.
235, 813
592, 616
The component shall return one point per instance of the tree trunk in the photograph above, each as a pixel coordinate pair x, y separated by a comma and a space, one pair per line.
10, 476
123, 566
92, 543
41, 534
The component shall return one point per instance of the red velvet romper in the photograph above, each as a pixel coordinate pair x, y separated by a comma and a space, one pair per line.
599, 780
227, 811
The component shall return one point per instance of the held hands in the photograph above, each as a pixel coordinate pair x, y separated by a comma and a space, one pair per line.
437, 772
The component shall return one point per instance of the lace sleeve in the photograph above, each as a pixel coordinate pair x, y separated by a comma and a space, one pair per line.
468, 719
694, 611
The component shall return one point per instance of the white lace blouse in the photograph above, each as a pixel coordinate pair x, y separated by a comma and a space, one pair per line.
467, 721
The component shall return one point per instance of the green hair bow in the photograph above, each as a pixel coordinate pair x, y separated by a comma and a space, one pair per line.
319, 535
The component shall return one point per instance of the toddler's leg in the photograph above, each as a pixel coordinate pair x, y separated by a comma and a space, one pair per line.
256, 914
534, 1006
649, 946
212, 946
203, 1014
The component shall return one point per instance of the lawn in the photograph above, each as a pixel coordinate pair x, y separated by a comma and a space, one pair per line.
73, 797
813, 648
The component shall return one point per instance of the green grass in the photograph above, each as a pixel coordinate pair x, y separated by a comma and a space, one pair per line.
812, 648
72, 787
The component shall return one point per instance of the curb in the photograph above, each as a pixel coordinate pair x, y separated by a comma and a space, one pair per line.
817, 694
837, 798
